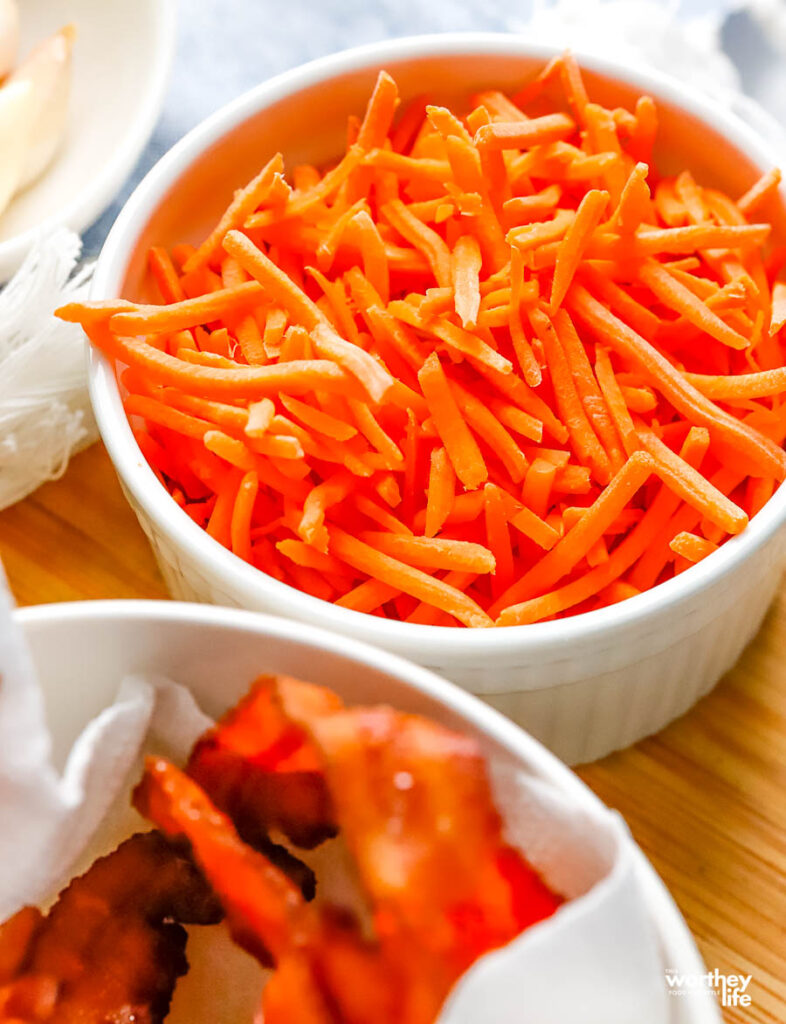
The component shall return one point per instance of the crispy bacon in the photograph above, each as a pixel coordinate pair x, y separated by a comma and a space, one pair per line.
327, 973
261, 768
112, 946
415, 806
416, 809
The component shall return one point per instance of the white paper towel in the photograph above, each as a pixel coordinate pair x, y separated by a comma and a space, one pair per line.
45, 411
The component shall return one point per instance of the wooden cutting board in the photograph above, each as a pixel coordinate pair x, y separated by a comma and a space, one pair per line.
705, 798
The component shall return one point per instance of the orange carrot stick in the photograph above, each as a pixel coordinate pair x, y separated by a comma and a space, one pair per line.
260, 417
498, 538
188, 313
588, 389
572, 246
466, 279
273, 283
368, 596
632, 547
692, 487
679, 298
406, 578
489, 429
615, 400
307, 557
219, 525
699, 236
422, 238
634, 204
762, 384
441, 492
372, 249
372, 375
758, 194
760, 450
166, 276
530, 367
568, 551
571, 410
320, 498
538, 486
525, 134
375, 435
244, 203
535, 528
240, 527
526, 209
378, 118
689, 546
459, 443
432, 552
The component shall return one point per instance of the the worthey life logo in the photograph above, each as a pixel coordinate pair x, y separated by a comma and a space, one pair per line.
730, 989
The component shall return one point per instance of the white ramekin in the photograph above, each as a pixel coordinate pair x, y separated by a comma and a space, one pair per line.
584, 685
83, 651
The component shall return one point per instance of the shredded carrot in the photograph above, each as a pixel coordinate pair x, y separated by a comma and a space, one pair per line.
412, 581
312, 523
572, 246
584, 440
245, 202
466, 279
260, 417
760, 192
163, 270
689, 546
532, 526
634, 205
682, 300
243, 510
432, 552
461, 446
490, 366
568, 551
219, 524
615, 400
441, 492
498, 538
525, 134
673, 385
378, 119
538, 486
527, 360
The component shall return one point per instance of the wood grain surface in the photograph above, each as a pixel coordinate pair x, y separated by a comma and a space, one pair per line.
705, 798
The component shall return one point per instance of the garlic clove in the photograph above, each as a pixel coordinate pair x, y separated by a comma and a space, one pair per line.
48, 71
16, 108
9, 35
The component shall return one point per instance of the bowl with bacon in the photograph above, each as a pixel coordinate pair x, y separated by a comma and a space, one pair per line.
484, 368
370, 844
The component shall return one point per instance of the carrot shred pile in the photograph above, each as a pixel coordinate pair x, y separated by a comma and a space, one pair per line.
483, 370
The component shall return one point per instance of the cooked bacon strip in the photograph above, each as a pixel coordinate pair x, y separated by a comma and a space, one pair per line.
112, 946
261, 768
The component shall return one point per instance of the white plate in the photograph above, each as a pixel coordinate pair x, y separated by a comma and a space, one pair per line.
122, 58
82, 651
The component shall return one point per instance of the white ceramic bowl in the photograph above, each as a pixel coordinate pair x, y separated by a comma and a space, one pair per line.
83, 651
122, 56
584, 685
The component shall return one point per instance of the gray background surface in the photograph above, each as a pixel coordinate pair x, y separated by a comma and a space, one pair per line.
227, 46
